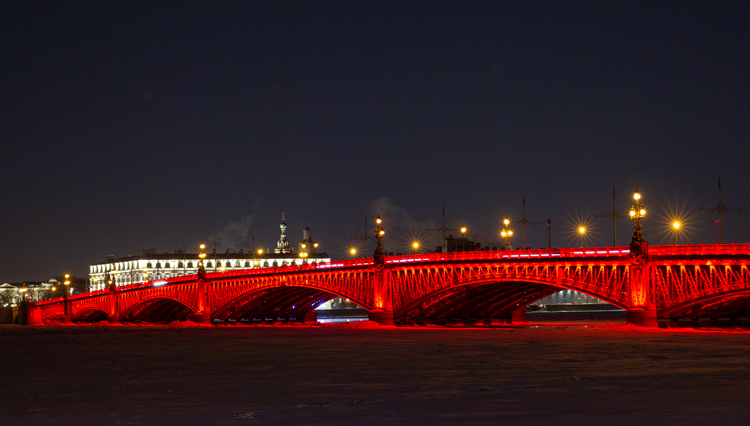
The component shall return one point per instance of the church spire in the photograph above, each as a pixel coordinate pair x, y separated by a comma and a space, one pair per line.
283, 245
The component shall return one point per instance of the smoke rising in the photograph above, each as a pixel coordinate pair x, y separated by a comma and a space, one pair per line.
235, 234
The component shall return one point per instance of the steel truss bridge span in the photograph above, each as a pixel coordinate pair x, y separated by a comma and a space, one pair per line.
676, 281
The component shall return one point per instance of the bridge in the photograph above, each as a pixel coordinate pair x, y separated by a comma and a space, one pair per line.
649, 282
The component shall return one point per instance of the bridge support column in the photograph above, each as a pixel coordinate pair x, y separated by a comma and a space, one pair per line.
113, 319
381, 317
33, 315
202, 318
519, 315
311, 316
642, 317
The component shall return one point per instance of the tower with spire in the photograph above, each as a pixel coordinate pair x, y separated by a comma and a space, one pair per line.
283, 245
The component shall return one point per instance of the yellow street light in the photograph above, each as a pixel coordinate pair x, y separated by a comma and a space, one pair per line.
260, 251
637, 212
304, 245
506, 233
582, 230
353, 251
676, 226
378, 220
315, 245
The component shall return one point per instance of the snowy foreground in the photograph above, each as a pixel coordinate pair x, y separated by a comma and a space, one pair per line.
363, 374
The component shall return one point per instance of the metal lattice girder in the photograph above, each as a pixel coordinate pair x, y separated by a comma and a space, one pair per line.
683, 280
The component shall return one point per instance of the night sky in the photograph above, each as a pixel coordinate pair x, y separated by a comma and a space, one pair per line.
132, 125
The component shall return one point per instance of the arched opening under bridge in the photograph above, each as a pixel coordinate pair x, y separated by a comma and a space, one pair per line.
90, 316
283, 304
503, 301
158, 309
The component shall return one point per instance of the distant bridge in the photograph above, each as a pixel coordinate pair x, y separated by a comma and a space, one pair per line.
668, 281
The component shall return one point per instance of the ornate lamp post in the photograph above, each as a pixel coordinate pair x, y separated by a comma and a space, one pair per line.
259, 256
637, 212
66, 307
379, 232
463, 238
581, 233
676, 227
415, 247
353, 252
383, 312
201, 256
643, 310
507, 233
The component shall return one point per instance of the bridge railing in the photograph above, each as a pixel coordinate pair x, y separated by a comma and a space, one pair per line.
699, 249
512, 254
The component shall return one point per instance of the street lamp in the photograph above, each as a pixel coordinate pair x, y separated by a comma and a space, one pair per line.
353, 252
463, 238
379, 233
415, 247
258, 256
201, 256
582, 233
507, 233
637, 212
67, 283
676, 226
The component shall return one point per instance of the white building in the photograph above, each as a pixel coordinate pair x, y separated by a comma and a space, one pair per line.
151, 266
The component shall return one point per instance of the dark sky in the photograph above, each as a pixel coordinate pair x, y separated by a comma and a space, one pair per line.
131, 125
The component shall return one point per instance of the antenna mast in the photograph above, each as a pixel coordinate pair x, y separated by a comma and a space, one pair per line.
524, 221
614, 215
720, 208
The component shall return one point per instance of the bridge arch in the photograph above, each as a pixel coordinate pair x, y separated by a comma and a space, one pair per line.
731, 304
158, 307
90, 314
489, 298
296, 301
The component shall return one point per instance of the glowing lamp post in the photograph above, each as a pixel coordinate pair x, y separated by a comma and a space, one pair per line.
353, 252
201, 256
637, 212
507, 233
379, 233
415, 247
582, 233
676, 228
463, 238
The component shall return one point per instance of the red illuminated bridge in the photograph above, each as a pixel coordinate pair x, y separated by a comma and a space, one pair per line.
683, 281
